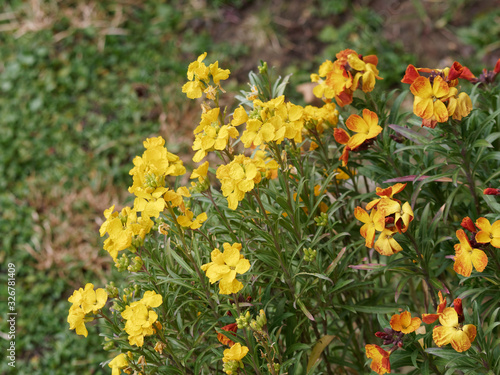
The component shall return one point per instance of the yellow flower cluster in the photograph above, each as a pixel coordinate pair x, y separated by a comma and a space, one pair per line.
239, 177
122, 228
224, 267
85, 301
320, 118
276, 120
140, 318
149, 174
388, 216
210, 135
199, 78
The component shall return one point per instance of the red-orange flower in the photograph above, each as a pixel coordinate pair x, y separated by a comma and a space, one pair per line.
468, 224
404, 322
380, 359
466, 257
431, 318
224, 340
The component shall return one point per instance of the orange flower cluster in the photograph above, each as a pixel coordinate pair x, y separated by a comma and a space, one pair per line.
387, 216
366, 129
436, 95
339, 79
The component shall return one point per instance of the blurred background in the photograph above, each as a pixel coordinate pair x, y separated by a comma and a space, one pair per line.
83, 83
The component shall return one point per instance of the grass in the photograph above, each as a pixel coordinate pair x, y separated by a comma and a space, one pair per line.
82, 84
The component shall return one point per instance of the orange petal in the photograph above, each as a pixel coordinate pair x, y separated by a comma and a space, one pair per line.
361, 215
440, 88
460, 341
357, 124
370, 117
442, 335
421, 87
423, 107
429, 318
463, 265
440, 111
341, 136
479, 259
411, 74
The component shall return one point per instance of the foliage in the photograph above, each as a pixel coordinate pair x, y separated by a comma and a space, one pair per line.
265, 269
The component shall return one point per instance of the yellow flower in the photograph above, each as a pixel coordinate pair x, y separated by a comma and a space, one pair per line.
380, 359
451, 332
224, 267
404, 322
239, 177
374, 221
140, 319
88, 299
366, 70
428, 103
235, 353
186, 220
217, 73
386, 244
466, 257
85, 301
488, 233
76, 320
200, 172
118, 363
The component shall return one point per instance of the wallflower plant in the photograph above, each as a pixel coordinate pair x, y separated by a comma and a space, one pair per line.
305, 235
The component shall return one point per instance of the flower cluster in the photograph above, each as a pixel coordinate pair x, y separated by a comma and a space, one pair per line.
224, 267
140, 318
339, 79
199, 78
122, 228
436, 95
85, 301
366, 129
387, 216
273, 121
239, 177
210, 135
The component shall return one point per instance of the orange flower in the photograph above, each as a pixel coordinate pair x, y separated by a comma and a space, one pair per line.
233, 327
366, 128
380, 357
451, 332
404, 322
429, 98
488, 233
466, 257
403, 217
374, 221
385, 193
431, 318
386, 244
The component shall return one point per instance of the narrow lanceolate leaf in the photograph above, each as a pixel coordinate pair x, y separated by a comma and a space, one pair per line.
412, 135
318, 349
304, 309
